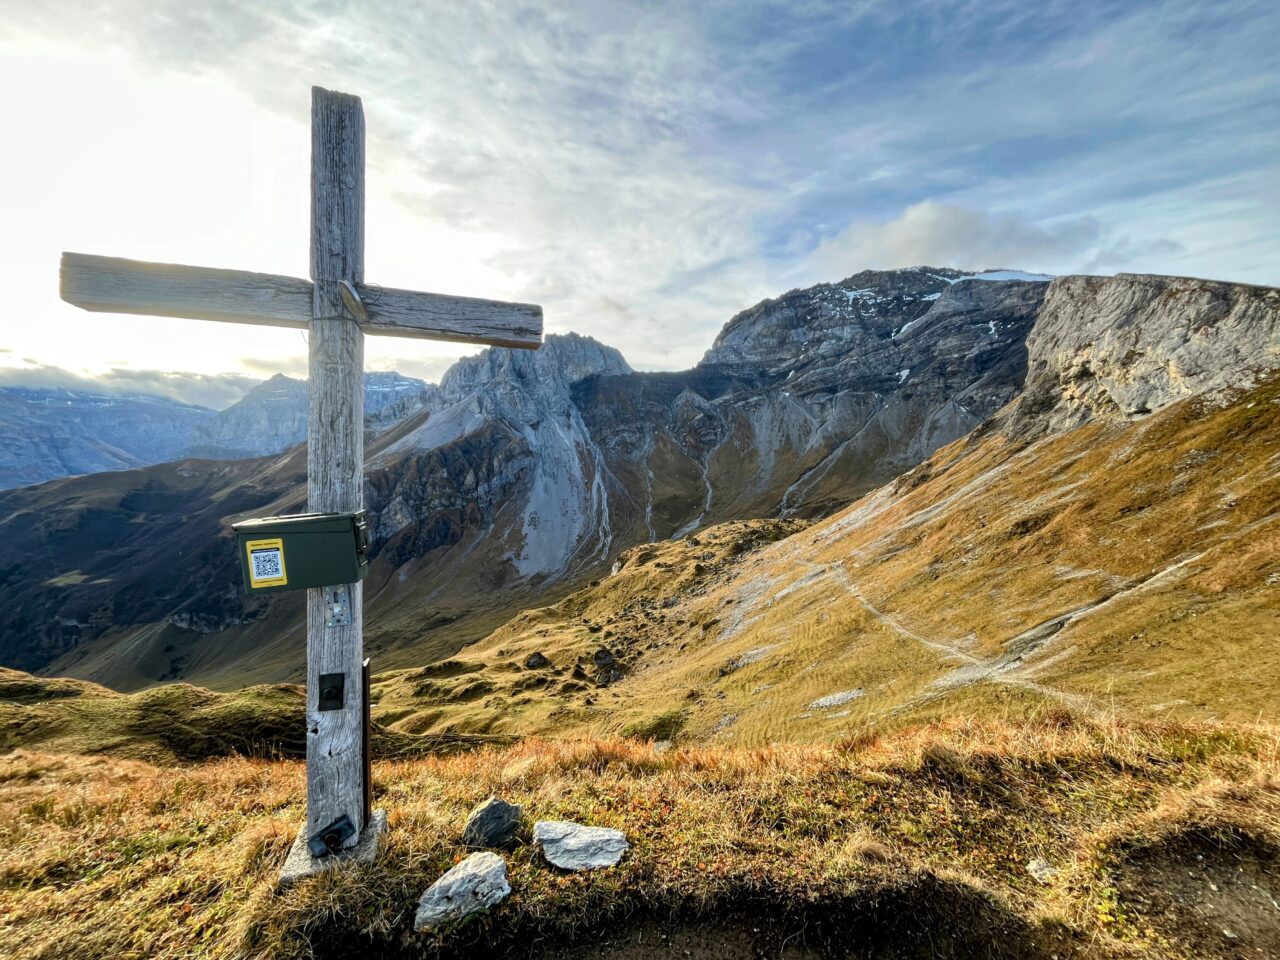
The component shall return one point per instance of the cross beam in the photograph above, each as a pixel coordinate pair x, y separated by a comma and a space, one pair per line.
116, 285
338, 308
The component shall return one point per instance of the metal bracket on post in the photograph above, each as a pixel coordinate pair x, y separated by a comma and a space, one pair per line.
333, 692
366, 746
351, 300
329, 840
337, 605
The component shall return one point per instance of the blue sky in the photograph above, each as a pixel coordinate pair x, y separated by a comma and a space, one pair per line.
645, 170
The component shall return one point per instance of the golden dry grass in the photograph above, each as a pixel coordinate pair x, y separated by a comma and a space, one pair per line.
1131, 567
105, 857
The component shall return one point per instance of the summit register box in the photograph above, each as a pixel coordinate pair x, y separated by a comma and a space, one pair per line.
303, 550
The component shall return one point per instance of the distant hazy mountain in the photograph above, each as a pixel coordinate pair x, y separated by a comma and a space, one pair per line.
46, 434
56, 433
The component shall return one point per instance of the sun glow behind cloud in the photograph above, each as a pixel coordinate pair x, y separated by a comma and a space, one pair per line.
641, 171
156, 165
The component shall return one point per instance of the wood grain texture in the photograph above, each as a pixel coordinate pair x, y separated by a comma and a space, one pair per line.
117, 285
335, 482
337, 192
335, 450
407, 313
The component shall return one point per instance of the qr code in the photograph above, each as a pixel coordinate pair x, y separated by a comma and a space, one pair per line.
267, 564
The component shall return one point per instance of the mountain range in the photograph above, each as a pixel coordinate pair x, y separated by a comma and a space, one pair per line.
1108, 542
525, 478
50, 433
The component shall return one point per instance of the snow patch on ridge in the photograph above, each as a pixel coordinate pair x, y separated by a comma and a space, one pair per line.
1007, 275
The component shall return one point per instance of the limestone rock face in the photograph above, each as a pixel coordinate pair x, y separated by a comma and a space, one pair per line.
809, 400
477, 883
572, 846
503, 434
1125, 346
492, 823
269, 418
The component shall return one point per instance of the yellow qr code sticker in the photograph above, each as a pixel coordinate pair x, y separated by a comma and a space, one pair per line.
266, 563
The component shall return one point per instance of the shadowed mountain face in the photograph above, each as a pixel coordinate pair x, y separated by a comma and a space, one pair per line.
525, 475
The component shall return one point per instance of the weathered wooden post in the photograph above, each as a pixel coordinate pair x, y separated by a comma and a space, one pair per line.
337, 308
335, 456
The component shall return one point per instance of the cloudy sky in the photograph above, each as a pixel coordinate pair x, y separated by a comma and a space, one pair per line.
642, 170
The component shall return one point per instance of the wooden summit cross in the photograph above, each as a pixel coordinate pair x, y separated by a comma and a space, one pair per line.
338, 308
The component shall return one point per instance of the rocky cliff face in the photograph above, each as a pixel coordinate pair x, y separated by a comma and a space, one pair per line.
269, 418
807, 401
1127, 346
564, 456
503, 433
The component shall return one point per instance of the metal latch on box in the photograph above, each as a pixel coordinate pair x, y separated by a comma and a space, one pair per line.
337, 606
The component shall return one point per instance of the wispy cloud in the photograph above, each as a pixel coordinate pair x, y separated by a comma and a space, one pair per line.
935, 233
646, 170
216, 392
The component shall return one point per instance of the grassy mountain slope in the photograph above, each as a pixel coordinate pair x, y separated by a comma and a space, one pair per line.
1122, 565
1157, 836
175, 723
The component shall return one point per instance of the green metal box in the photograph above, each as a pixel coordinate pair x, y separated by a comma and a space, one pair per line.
302, 550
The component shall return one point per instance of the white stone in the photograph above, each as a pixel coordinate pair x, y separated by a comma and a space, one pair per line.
572, 846
1042, 870
835, 699
477, 883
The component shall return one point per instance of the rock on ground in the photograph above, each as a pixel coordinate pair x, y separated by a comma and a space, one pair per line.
1042, 870
572, 846
478, 882
835, 699
492, 824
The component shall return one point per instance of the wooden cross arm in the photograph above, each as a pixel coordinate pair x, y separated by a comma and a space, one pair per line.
115, 285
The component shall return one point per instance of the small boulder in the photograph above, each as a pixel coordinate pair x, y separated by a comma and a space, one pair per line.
477, 883
536, 661
1042, 870
608, 670
492, 824
572, 846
